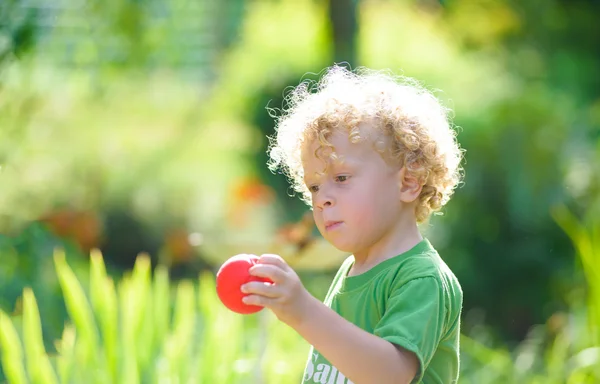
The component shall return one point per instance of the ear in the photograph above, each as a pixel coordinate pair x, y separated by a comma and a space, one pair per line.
410, 187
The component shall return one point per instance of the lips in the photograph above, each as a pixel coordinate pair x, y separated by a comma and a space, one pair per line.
332, 224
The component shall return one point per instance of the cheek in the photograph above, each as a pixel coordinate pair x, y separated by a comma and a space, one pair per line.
361, 207
368, 205
318, 217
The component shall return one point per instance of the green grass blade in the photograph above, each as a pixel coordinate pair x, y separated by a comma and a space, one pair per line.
104, 303
110, 320
183, 328
129, 372
587, 244
284, 349
97, 278
109, 325
161, 311
141, 279
39, 366
161, 303
174, 364
208, 295
497, 362
12, 351
217, 360
66, 350
79, 311
558, 354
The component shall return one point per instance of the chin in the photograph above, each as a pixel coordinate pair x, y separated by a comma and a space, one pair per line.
344, 247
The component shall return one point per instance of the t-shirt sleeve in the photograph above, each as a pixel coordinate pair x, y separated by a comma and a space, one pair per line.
413, 319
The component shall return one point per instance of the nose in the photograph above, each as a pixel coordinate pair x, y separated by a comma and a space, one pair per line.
324, 199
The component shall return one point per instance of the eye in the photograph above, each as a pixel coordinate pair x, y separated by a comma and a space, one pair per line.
313, 188
342, 178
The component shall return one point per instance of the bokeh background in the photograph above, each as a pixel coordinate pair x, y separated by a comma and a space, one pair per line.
138, 127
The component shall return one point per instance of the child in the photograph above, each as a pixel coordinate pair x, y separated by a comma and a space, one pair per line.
374, 157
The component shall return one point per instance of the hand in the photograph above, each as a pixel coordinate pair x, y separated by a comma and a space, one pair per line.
286, 296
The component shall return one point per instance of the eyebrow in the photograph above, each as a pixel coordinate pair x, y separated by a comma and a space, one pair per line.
346, 162
334, 163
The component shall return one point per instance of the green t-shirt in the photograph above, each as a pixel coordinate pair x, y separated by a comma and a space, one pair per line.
412, 300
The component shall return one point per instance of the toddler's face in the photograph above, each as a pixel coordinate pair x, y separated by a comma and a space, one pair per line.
357, 200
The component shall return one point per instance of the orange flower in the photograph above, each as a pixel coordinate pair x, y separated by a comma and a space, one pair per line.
83, 227
245, 194
251, 190
178, 246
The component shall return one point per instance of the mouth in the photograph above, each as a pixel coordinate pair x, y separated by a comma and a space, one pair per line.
331, 225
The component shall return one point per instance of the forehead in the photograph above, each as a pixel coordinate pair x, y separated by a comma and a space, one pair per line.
315, 155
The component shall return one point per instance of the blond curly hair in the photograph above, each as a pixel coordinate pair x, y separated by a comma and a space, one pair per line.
416, 129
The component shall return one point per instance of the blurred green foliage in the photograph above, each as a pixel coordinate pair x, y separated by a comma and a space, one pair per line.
143, 329
135, 126
25, 261
526, 108
17, 29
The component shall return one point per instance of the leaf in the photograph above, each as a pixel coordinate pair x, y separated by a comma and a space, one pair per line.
587, 244
183, 328
143, 306
109, 328
79, 310
97, 276
161, 303
498, 360
216, 357
129, 364
66, 349
104, 303
12, 352
38, 365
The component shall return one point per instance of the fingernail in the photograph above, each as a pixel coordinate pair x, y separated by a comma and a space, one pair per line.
243, 288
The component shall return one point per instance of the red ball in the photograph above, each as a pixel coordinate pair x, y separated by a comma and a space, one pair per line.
230, 277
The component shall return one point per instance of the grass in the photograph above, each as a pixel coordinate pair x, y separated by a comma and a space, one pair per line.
163, 148
145, 328
567, 348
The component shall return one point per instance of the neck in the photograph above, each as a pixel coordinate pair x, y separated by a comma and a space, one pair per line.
401, 238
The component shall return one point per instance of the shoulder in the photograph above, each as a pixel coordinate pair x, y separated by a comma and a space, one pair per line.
430, 273
426, 264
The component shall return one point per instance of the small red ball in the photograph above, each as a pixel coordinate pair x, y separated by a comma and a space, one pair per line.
230, 277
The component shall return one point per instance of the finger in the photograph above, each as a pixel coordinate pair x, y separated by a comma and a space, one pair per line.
261, 288
273, 259
261, 301
269, 271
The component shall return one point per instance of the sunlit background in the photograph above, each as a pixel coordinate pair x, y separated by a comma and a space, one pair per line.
138, 127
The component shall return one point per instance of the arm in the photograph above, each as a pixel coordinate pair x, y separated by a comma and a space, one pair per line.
361, 356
